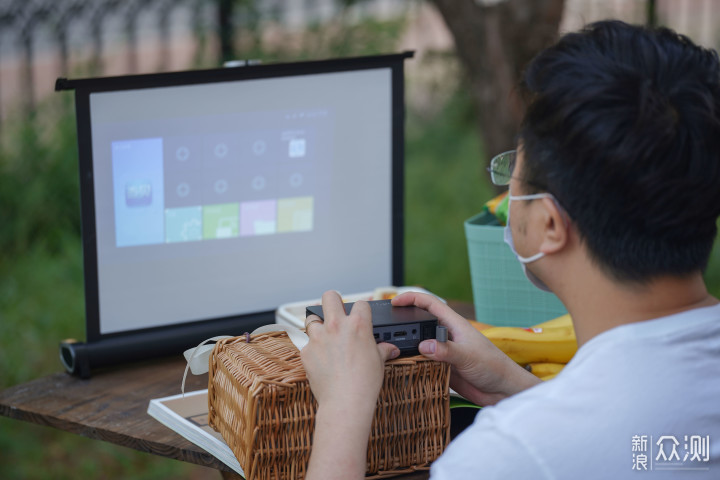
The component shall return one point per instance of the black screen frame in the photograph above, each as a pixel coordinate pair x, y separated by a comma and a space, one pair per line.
170, 339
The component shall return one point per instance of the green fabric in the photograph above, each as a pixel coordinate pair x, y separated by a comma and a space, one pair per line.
458, 402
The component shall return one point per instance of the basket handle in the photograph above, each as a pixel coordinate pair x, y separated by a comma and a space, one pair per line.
198, 358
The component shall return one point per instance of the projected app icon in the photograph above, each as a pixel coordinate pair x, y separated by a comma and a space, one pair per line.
296, 148
259, 147
221, 150
295, 214
258, 183
221, 186
226, 228
182, 154
183, 224
296, 179
182, 190
220, 221
138, 193
258, 218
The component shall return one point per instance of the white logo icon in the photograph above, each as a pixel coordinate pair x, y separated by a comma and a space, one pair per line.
296, 148
191, 230
225, 227
673, 444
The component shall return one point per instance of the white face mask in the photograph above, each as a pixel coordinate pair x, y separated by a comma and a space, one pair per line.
507, 236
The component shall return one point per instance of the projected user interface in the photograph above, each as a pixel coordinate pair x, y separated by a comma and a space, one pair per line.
223, 199
218, 186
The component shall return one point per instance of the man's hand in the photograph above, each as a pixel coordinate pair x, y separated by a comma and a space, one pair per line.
342, 360
480, 371
345, 369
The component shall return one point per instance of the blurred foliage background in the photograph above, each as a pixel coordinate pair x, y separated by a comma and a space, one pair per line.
41, 279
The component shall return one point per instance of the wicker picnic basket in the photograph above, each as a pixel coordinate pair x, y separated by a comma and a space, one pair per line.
261, 403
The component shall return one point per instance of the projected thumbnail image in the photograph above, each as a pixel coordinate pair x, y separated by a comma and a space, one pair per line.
183, 224
295, 214
138, 192
258, 218
244, 219
220, 221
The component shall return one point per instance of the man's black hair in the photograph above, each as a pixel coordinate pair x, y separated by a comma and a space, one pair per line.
623, 127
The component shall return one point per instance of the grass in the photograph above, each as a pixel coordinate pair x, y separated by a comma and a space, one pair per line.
42, 291
41, 302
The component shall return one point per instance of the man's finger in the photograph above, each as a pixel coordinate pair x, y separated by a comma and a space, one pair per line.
333, 307
456, 324
362, 309
388, 351
427, 302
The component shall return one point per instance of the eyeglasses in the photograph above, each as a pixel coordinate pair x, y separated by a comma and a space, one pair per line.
501, 168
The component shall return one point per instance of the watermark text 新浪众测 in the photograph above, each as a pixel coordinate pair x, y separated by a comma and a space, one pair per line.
670, 452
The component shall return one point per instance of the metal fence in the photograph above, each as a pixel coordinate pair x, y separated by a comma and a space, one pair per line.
43, 39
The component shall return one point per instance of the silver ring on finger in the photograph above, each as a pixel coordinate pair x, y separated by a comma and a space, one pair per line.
307, 325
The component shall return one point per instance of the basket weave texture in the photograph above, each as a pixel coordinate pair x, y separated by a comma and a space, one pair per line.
261, 403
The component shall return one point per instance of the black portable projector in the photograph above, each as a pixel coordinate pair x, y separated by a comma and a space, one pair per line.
404, 327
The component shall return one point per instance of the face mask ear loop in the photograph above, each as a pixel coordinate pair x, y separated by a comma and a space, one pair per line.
537, 256
563, 213
536, 196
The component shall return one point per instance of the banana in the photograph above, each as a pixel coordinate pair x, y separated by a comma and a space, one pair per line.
543, 369
548, 377
562, 321
533, 345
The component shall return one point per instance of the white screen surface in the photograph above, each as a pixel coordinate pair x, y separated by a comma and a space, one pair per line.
230, 198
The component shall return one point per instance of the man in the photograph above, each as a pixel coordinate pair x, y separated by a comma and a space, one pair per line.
615, 194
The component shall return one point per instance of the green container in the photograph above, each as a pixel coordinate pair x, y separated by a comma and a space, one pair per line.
503, 296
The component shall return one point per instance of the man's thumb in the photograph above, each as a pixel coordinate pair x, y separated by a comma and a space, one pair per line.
442, 351
388, 351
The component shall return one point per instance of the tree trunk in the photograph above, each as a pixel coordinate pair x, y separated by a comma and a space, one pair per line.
226, 31
495, 41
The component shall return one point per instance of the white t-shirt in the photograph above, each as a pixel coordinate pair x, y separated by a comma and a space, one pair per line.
638, 389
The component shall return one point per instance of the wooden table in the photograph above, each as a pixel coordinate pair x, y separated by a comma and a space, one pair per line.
112, 406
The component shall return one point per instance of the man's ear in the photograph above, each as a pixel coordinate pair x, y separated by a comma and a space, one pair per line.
556, 227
